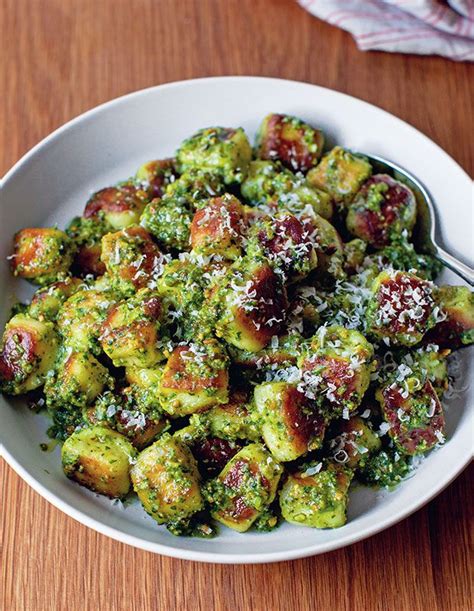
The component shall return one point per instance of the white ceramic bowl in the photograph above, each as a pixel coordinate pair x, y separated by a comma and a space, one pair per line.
52, 183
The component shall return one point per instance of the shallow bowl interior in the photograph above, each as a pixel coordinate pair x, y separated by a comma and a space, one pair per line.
51, 184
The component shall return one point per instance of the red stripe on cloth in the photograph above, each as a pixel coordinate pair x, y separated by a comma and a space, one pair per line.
343, 15
369, 35
334, 14
443, 10
468, 29
404, 19
398, 39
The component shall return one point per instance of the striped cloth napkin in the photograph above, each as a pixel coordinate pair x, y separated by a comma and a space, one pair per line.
426, 27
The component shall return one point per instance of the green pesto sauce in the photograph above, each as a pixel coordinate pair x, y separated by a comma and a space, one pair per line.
324, 493
169, 221
385, 469
402, 256
267, 521
65, 420
251, 489
199, 526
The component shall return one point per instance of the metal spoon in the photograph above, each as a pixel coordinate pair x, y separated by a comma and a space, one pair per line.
424, 236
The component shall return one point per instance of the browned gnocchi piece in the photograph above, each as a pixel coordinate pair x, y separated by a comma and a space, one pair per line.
336, 368
100, 459
245, 487
287, 242
291, 426
118, 206
88, 261
41, 255
382, 210
414, 414
252, 303
29, 350
131, 258
166, 480
402, 308
341, 173
154, 176
130, 333
195, 378
213, 453
217, 228
457, 328
290, 140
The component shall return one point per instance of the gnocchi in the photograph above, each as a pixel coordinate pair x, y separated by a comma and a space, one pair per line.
235, 334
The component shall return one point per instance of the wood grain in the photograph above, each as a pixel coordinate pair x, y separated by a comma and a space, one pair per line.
61, 57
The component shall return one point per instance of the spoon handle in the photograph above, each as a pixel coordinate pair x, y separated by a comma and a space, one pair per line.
458, 267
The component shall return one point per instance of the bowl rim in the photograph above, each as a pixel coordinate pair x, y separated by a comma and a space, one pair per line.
216, 557
208, 79
224, 558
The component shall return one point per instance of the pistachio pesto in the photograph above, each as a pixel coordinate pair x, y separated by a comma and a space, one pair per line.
236, 334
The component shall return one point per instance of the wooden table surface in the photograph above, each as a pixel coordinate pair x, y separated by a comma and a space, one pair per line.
59, 58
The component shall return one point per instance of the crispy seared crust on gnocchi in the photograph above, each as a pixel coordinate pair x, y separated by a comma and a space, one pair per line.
166, 480
217, 228
251, 303
245, 488
129, 335
291, 425
402, 309
131, 259
86, 234
383, 209
41, 255
415, 415
100, 459
194, 378
118, 207
229, 330
336, 366
289, 140
288, 243
29, 350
